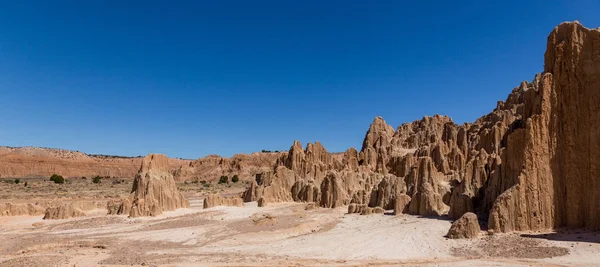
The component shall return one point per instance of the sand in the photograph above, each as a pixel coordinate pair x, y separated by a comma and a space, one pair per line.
277, 235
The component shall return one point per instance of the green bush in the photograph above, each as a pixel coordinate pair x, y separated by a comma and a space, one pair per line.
224, 180
57, 179
235, 179
25, 184
97, 179
17, 181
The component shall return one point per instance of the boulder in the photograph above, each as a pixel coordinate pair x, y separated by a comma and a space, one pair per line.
467, 226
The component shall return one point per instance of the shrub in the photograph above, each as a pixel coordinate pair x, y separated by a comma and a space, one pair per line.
235, 179
57, 179
25, 184
224, 179
97, 179
83, 178
207, 185
203, 182
17, 181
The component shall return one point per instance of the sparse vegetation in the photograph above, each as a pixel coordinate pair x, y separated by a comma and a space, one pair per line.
97, 180
57, 179
17, 181
269, 151
25, 184
235, 178
224, 179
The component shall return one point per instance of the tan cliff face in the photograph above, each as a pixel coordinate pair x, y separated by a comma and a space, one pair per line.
533, 163
24, 162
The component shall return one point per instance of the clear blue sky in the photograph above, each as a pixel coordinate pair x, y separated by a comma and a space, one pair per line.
191, 78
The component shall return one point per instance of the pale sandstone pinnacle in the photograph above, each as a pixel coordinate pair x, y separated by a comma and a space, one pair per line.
154, 189
467, 226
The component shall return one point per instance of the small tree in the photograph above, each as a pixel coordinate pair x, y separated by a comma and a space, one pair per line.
17, 181
224, 179
235, 179
57, 179
96, 179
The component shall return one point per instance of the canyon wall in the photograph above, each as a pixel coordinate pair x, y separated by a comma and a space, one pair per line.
533, 163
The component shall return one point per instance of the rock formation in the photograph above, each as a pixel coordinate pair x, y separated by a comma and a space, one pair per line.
530, 164
10, 209
467, 226
63, 211
216, 200
212, 167
401, 204
262, 202
26, 162
60, 210
154, 190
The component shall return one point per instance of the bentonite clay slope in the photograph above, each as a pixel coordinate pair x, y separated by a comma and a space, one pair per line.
22, 162
212, 167
531, 164
154, 190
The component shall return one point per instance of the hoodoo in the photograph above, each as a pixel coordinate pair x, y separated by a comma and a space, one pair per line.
154, 190
533, 163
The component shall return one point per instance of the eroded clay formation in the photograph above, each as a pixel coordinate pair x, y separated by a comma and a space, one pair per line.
533, 163
154, 190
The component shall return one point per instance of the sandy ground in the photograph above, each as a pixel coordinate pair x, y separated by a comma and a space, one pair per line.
277, 235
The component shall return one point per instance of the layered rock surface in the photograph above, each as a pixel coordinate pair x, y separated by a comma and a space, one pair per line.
533, 163
24, 162
154, 190
216, 200
212, 167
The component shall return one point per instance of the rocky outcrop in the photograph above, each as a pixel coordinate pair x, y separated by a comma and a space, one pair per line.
10, 209
122, 206
216, 200
154, 190
64, 211
261, 202
530, 164
554, 162
401, 204
212, 167
26, 162
58, 210
467, 226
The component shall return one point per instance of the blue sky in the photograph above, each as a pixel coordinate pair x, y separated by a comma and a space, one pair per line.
192, 78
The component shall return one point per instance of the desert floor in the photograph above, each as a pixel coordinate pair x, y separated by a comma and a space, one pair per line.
285, 234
